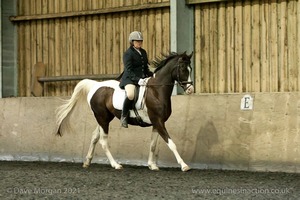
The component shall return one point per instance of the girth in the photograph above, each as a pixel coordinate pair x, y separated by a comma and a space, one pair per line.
138, 117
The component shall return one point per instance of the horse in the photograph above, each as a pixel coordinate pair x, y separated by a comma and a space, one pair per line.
156, 110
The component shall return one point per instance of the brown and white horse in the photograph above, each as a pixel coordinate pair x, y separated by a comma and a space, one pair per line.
155, 112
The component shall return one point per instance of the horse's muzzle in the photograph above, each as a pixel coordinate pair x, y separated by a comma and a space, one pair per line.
189, 89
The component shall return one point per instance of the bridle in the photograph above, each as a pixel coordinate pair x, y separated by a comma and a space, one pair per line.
184, 84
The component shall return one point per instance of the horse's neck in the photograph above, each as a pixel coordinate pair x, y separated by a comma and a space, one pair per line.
164, 76
165, 82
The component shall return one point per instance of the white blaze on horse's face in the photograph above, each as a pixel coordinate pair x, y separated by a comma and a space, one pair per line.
189, 87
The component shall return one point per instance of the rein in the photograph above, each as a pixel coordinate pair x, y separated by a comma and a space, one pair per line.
171, 84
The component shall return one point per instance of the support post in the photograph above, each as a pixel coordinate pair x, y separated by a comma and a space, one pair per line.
1, 50
9, 50
182, 31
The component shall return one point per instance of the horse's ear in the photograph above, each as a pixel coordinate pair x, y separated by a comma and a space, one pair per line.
191, 54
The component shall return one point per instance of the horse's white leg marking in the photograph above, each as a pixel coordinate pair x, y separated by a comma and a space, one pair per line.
104, 143
172, 146
90, 154
151, 160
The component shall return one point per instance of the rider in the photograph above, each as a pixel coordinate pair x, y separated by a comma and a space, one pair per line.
135, 69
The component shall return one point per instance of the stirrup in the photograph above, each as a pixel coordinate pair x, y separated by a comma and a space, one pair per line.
124, 122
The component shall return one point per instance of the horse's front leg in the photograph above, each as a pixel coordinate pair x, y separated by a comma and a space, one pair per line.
152, 164
164, 134
172, 146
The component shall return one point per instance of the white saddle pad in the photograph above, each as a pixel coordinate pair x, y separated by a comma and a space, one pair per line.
119, 97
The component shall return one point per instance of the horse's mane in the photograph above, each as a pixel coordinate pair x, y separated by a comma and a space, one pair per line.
160, 62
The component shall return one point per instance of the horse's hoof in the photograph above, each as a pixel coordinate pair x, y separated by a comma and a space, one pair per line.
85, 165
118, 166
185, 168
153, 167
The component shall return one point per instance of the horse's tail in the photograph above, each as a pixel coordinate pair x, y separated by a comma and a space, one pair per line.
63, 112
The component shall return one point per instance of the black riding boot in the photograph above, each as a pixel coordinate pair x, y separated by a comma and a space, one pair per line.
124, 117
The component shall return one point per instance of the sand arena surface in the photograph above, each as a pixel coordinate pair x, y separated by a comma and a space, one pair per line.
41, 180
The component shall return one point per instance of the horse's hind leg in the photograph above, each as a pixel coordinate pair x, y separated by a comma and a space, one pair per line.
152, 160
95, 139
104, 143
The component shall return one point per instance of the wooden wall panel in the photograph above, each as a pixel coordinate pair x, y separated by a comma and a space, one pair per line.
257, 48
240, 46
84, 44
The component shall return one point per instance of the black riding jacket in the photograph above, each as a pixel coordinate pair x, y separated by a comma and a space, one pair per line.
135, 66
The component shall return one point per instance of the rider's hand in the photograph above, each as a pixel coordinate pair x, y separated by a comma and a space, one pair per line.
142, 82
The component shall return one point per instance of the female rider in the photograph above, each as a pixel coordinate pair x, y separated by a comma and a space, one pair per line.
136, 68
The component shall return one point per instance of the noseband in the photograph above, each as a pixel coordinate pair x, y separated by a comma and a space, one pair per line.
183, 84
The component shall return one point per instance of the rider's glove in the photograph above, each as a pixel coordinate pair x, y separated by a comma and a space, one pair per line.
142, 82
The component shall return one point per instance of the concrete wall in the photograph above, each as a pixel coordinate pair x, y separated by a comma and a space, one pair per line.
211, 131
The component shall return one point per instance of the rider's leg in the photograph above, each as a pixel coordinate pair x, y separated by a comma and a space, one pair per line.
130, 89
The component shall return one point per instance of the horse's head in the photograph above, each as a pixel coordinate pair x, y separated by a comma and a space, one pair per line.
183, 73
179, 67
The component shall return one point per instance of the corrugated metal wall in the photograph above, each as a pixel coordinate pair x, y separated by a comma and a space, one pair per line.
247, 46
70, 40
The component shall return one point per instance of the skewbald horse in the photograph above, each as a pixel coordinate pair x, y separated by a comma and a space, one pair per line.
157, 106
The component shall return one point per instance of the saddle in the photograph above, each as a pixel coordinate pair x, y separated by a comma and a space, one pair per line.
137, 112
120, 95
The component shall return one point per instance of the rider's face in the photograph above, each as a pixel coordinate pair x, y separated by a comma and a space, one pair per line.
137, 43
